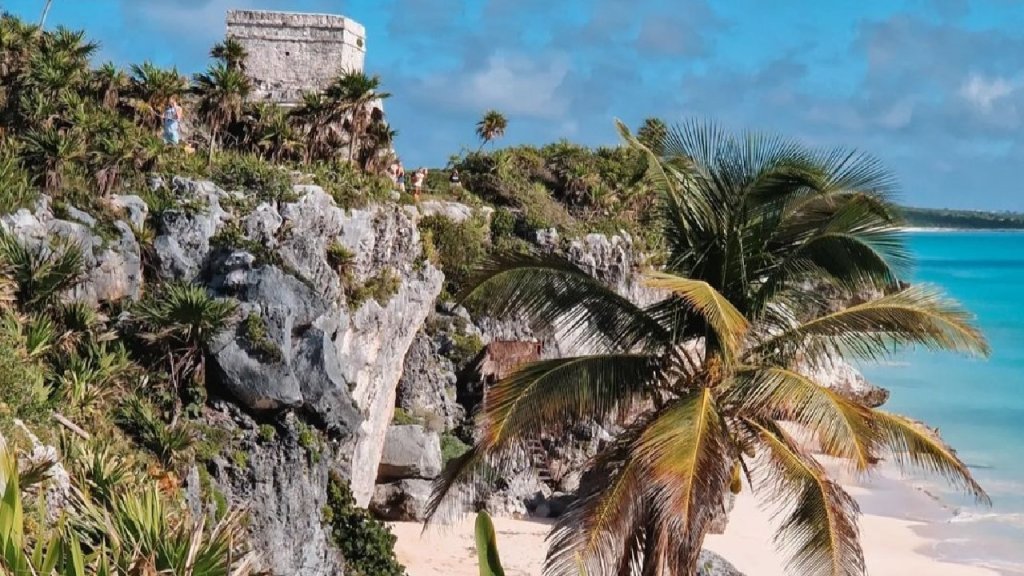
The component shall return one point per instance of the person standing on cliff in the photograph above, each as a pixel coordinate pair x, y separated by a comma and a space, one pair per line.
418, 179
400, 177
172, 122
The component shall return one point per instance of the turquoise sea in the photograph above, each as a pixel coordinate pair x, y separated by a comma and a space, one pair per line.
977, 404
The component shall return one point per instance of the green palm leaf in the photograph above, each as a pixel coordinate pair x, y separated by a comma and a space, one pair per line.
727, 322
550, 291
818, 525
915, 315
911, 444
551, 394
842, 427
687, 465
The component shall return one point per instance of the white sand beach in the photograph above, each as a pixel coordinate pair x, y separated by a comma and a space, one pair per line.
891, 509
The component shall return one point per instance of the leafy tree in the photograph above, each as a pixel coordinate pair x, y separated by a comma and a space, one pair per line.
268, 132
757, 229
316, 115
152, 87
491, 127
109, 81
222, 92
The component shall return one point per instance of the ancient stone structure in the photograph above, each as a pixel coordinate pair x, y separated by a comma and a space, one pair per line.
290, 53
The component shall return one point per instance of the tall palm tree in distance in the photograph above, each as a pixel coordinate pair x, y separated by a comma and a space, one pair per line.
758, 229
491, 127
230, 52
652, 134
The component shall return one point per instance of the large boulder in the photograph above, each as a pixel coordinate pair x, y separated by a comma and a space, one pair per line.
402, 501
410, 451
428, 383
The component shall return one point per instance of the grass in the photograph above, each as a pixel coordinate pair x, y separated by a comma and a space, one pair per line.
255, 332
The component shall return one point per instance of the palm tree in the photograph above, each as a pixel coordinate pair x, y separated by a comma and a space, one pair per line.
109, 81
315, 114
351, 94
268, 132
652, 134
757, 228
222, 91
231, 53
490, 127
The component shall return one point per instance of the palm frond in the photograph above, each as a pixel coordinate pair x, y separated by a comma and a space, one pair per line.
818, 518
843, 428
687, 463
727, 322
913, 445
554, 395
551, 292
916, 315
598, 530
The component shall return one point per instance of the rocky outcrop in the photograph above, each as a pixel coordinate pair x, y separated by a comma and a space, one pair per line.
282, 484
428, 383
111, 256
410, 451
711, 564
844, 378
322, 351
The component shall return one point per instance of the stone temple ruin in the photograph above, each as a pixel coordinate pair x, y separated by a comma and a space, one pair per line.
291, 53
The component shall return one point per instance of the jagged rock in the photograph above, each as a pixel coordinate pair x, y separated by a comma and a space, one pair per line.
410, 451
841, 376
133, 207
711, 564
428, 382
282, 485
453, 210
183, 243
401, 501
113, 266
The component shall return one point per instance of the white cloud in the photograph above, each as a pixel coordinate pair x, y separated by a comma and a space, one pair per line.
514, 85
984, 92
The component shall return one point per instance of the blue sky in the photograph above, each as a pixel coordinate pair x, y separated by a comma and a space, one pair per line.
933, 87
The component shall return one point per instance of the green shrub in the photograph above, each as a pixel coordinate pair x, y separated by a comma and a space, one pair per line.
267, 181
380, 288
259, 342
503, 224
350, 187
457, 248
402, 418
169, 442
452, 447
464, 348
340, 258
23, 392
15, 189
267, 433
366, 543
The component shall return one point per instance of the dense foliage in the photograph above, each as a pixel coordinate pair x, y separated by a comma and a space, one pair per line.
367, 543
759, 231
79, 133
971, 219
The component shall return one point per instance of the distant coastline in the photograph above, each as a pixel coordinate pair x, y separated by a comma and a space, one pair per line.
941, 219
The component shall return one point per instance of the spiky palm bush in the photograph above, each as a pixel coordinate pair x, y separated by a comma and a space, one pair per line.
351, 94
758, 229
124, 533
222, 92
41, 274
181, 320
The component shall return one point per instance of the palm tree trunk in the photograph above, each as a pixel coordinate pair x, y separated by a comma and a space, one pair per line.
213, 141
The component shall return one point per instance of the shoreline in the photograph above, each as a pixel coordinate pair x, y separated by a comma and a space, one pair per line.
897, 524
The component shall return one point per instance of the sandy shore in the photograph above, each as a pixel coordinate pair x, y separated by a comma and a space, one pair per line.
892, 509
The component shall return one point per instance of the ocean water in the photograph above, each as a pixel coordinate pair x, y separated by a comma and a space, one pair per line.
977, 404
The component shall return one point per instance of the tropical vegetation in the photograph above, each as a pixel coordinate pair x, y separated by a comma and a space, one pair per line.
711, 383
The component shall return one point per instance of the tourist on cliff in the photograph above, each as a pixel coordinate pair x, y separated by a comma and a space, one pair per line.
400, 177
172, 122
454, 179
418, 179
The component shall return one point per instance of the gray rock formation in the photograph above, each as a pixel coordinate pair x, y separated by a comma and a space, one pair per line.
428, 383
338, 362
112, 257
283, 486
711, 564
401, 501
410, 451
841, 376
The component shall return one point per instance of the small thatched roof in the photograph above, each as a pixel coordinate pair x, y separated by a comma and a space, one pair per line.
501, 358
